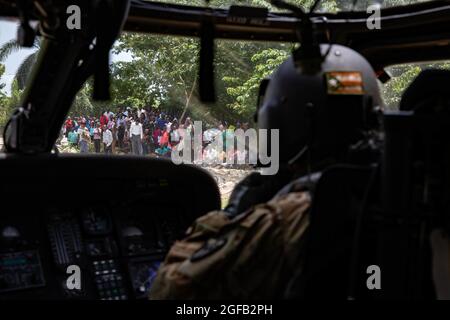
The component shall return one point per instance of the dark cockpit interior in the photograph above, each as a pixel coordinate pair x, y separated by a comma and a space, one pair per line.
118, 235
118, 223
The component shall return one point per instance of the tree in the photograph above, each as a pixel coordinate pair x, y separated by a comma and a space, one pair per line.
8, 104
24, 70
402, 76
2, 72
244, 91
163, 72
4, 100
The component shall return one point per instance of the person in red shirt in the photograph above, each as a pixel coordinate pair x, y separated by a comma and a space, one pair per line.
164, 141
156, 136
104, 119
69, 125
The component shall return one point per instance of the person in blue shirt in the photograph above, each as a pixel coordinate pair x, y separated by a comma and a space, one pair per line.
72, 137
161, 121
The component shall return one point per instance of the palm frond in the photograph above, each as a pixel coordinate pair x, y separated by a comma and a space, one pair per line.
37, 43
8, 48
24, 70
12, 46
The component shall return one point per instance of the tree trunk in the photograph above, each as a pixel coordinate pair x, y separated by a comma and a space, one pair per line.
188, 100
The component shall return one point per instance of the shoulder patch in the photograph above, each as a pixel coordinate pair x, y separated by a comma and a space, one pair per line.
344, 83
210, 246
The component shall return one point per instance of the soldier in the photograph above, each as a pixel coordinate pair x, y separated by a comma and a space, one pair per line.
251, 249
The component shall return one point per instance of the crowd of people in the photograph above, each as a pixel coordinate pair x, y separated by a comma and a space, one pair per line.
141, 132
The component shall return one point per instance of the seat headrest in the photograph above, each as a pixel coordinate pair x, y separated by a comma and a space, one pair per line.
429, 84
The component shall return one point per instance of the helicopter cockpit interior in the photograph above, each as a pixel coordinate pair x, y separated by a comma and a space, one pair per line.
118, 222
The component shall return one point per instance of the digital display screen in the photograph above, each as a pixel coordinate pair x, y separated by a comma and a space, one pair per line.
20, 270
143, 274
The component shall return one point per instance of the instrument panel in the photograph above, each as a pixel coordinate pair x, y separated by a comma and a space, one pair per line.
20, 270
118, 252
101, 240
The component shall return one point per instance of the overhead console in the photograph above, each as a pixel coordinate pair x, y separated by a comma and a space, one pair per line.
110, 220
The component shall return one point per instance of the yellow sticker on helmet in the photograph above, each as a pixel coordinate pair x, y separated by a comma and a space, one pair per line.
344, 82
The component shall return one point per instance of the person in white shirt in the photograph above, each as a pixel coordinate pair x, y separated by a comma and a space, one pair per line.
110, 114
97, 137
107, 140
136, 137
84, 137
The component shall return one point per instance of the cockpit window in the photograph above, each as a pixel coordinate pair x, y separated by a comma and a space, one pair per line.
155, 104
331, 6
402, 76
15, 66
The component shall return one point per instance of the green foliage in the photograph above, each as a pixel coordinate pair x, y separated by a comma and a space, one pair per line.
4, 101
82, 103
2, 72
8, 104
163, 72
402, 76
244, 91
325, 5
24, 70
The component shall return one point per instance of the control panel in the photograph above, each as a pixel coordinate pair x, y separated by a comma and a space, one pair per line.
20, 270
109, 280
118, 250
99, 232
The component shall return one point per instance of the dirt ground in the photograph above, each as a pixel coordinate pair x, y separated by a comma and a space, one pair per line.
227, 179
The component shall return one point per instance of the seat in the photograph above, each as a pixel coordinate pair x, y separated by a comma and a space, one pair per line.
429, 85
416, 179
336, 205
390, 226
